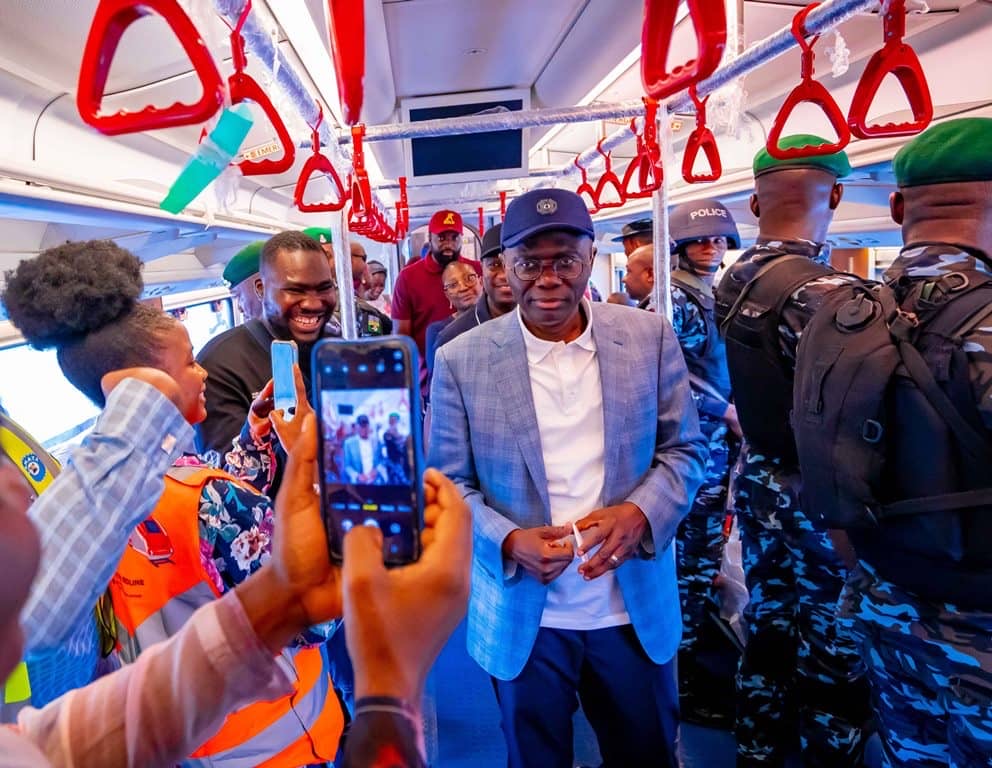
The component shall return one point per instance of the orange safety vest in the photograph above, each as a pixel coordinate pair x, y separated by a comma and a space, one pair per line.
158, 585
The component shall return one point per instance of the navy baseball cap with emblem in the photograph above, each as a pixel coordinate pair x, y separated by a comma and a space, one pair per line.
542, 210
638, 227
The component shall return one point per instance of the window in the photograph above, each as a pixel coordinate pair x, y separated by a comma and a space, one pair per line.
39, 398
204, 321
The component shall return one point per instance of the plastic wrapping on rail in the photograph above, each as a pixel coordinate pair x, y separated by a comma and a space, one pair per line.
111, 19
346, 20
608, 179
318, 163
243, 87
701, 138
709, 21
646, 166
898, 59
808, 91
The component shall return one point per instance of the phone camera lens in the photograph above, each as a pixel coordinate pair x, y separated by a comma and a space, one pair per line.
398, 367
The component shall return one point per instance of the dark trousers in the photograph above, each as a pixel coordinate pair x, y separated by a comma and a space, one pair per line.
631, 702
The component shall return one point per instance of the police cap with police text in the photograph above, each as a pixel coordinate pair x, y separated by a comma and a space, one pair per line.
703, 218
835, 163
643, 227
244, 263
544, 210
321, 234
953, 151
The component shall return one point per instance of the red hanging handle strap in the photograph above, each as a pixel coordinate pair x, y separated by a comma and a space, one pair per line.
243, 87
318, 163
899, 59
362, 202
647, 164
502, 203
709, 21
112, 18
813, 92
701, 138
585, 189
346, 19
609, 178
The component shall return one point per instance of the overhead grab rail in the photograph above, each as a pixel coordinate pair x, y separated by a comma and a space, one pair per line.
701, 138
346, 19
318, 163
243, 87
111, 19
808, 91
899, 59
709, 21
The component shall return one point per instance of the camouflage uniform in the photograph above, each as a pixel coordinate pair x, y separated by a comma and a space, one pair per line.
797, 670
929, 658
705, 690
369, 321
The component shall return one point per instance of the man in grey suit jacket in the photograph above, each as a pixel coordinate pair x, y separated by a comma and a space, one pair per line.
366, 469
570, 415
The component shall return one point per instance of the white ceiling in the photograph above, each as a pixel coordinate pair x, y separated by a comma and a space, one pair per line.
559, 49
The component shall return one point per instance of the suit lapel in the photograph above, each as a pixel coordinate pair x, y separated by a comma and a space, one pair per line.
610, 339
509, 361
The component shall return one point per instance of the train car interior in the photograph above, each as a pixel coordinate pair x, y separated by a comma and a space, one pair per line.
423, 105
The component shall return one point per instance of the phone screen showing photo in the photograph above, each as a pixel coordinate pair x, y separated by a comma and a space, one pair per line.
370, 473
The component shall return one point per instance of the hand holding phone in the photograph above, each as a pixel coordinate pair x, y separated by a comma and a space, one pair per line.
371, 462
284, 356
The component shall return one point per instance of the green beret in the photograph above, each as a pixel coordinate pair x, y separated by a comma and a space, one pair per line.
320, 234
244, 264
956, 150
836, 163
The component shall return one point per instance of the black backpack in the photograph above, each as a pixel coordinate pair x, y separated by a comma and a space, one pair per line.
761, 379
883, 415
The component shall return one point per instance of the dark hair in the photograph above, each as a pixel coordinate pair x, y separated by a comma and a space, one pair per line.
287, 241
82, 299
380, 267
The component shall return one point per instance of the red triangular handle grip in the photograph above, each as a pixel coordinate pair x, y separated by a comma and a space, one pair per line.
244, 88
347, 31
586, 192
900, 60
811, 91
318, 163
610, 179
701, 138
709, 20
648, 175
112, 18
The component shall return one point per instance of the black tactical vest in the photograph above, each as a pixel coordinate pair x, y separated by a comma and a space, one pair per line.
710, 363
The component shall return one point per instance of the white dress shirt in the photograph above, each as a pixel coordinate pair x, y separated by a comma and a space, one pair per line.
568, 402
365, 449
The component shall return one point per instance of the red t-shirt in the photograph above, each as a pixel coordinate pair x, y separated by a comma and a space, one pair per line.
418, 296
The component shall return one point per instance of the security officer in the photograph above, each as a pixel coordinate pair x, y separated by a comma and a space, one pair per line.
241, 273
926, 617
795, 663
635, 234
369, 320
701, 232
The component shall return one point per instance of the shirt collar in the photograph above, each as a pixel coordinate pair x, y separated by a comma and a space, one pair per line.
538, 349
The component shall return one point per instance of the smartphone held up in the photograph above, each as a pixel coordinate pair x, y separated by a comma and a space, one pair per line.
366, 394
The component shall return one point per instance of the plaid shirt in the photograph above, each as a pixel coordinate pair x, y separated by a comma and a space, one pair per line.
110, 484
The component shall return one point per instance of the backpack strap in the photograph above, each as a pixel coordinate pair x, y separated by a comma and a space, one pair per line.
259, 333
781, 289
946, 502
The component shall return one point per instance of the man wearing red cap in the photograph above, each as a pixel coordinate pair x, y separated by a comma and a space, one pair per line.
418, 297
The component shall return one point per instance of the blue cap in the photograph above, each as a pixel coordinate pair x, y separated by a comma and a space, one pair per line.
541, 210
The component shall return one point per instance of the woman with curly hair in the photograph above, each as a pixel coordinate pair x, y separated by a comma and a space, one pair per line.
209, 531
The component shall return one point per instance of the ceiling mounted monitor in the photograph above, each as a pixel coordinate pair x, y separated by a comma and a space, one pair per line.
470, 156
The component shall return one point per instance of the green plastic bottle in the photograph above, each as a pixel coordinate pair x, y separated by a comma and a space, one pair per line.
213, 155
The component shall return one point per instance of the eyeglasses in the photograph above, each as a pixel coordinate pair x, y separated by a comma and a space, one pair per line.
493, 264
466, 282
565, 267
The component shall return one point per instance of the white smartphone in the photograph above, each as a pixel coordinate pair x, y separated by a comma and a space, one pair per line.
284, 357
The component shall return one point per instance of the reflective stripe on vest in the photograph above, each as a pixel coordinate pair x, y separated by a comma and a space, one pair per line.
158, 585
